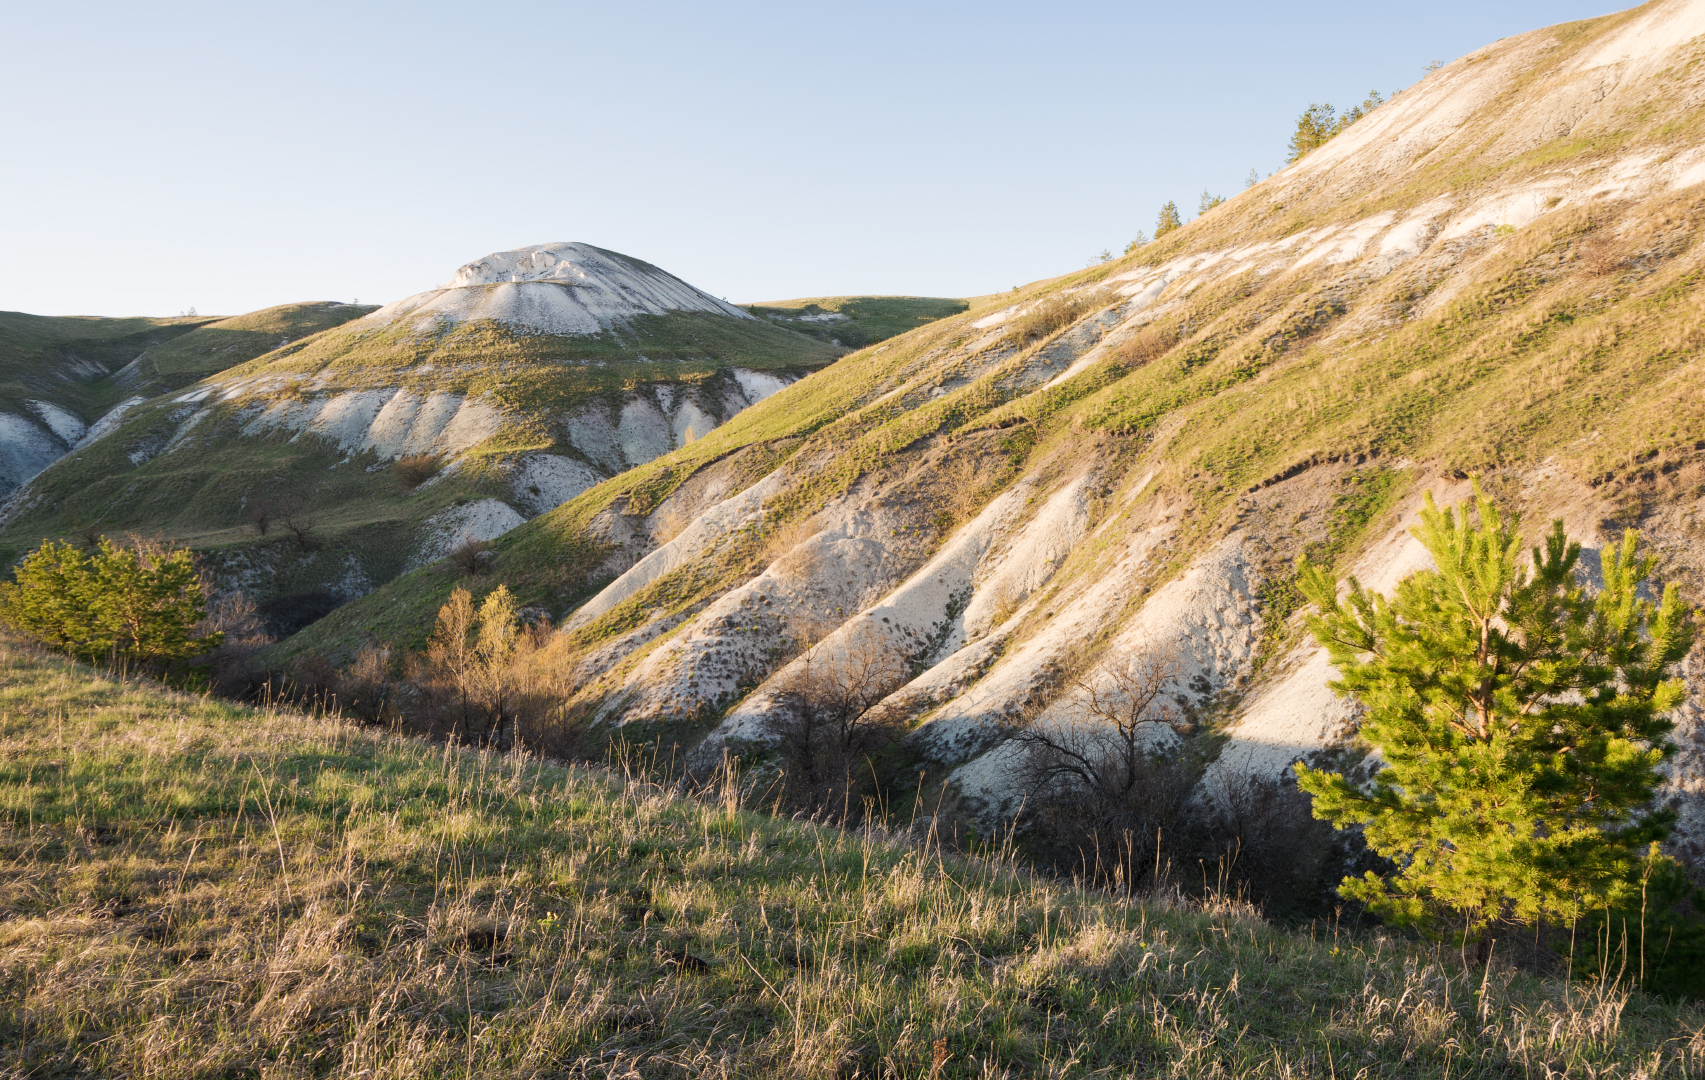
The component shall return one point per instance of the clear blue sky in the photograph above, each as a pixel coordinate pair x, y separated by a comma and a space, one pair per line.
235, 156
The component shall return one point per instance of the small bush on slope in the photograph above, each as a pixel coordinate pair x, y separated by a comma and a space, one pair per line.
1522, 720
137, 605
198, 889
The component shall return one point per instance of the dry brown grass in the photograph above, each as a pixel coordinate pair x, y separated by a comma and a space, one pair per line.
416, 469
194, 889
1147, 344
1053, 314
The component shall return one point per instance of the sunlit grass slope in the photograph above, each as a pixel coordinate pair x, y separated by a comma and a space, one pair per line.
67, 359
195, 889
863, 320
215, 346
200, 491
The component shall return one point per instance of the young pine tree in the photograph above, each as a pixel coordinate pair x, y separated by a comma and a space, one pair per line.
112, 603
1167, 220
1520, 722
1315, 126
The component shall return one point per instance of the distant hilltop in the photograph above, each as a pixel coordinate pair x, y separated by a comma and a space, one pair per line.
554, 289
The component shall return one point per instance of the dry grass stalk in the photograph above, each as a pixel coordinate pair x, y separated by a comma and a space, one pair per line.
416, 469
197, 889
1053, 314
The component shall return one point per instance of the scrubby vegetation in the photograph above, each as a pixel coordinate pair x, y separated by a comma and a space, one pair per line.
200, 889
136, 605
857, 321
1319, 124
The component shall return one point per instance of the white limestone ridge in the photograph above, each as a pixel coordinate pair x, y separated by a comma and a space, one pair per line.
554, 289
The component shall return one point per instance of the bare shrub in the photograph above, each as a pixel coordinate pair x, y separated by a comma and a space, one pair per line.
1262, 834
965, 484
368, 685
1105, 788
782, 547
471, 557
831, 719
1009, 597
88, 533
416, 469
260, 519
1054, 314
668, 522
1601, 255
299, 518
245, 633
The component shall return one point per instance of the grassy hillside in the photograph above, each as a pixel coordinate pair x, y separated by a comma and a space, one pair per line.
195, 889
68, 359
215, 346
856, 321
200, 489
1155, 440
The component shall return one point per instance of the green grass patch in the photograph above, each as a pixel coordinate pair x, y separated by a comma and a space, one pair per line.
198, 889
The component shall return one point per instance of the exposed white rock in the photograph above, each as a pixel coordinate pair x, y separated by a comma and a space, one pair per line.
1205, 617
389, 422
542, 482
554, 289
755, 386
109, 421
60, 420
26, 448
695, 540
445, 531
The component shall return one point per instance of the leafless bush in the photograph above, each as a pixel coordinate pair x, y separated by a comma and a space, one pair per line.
668, 522
260, 519
88, 533
1104, 789
965, 484
782, 547
1261, 832
1601, 255
299, 518
1054, 314
830, 717
236, 617
416, 469
368, 686
472, 557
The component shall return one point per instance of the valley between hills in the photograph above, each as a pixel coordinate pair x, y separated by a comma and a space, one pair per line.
970, 519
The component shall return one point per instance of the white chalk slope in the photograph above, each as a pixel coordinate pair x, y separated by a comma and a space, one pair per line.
553, 289
985, 617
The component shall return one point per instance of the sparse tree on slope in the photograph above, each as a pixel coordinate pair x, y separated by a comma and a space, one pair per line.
136, 605
1521, 723
1315, 126
1318, 124
1167, 221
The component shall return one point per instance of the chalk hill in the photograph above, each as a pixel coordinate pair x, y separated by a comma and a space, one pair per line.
1496, 273
529, 377
65, 381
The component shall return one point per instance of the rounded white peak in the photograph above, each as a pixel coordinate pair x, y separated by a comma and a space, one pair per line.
555, 289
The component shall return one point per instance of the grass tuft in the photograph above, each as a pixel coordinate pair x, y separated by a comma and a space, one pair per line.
196, 889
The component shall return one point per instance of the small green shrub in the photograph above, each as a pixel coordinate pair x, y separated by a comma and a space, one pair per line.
136, 605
